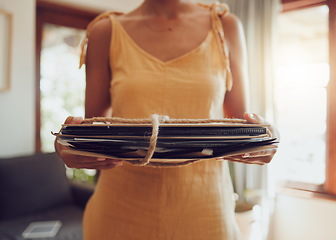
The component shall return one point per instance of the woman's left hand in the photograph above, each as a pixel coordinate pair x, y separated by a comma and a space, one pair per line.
260, 157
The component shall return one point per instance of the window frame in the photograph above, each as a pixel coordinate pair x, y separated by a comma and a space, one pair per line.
58, 14
328, 189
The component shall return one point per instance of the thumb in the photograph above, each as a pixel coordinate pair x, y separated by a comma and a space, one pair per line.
73, 120
253, 118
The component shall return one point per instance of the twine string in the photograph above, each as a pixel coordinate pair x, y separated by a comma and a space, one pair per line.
163, 119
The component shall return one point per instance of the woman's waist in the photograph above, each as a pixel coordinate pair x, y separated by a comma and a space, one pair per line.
153, 181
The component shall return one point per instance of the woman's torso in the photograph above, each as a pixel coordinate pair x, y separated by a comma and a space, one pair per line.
190, 202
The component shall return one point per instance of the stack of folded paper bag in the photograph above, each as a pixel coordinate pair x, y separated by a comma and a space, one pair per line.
170, 141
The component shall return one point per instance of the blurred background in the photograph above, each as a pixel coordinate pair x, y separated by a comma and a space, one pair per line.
292, 64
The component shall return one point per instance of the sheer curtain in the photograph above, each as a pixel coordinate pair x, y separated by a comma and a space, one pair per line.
259, 19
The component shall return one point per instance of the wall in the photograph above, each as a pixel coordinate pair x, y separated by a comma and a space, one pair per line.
297, 218
117, 5
17, 106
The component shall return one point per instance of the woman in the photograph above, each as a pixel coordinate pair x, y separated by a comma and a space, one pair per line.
168, 57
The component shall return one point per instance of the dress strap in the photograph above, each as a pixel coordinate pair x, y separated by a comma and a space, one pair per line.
217, 11
85, 40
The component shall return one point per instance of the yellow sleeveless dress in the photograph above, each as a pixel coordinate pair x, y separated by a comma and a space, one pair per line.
178, 203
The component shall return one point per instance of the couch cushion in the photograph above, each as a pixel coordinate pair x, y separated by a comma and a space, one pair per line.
70, 217
32, 184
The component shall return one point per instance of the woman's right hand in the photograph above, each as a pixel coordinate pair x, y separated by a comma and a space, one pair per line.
78, 161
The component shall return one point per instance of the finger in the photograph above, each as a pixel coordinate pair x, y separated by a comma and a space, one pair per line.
100, 165
77, 161
73, 120
103, 167
263, 153
93, 165
252, 155
109, 166
89, 160
250, 161
260, 160
253, 118
247, 161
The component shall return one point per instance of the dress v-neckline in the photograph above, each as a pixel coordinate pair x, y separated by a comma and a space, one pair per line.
156, 59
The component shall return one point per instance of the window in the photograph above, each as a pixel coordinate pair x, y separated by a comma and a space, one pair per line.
54, 23
304, 101
60, 85
300, 93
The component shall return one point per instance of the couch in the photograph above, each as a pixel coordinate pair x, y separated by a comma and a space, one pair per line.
35, 188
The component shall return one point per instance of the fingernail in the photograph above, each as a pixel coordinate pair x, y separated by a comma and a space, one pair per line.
77, 119
100, 159
118, 163
251, 115
245, 155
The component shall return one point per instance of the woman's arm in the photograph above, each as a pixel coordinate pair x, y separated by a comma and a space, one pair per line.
97, 94
98, 75
236, 101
